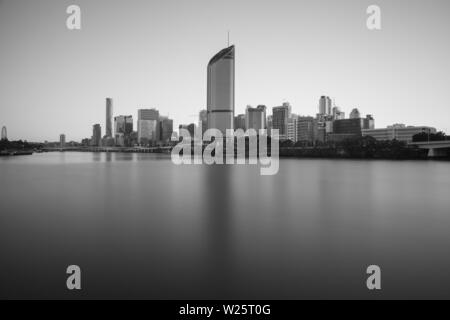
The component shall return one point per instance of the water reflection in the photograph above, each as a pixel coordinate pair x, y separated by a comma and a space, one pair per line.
199, 231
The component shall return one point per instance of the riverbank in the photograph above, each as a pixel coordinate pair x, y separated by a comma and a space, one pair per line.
8, 153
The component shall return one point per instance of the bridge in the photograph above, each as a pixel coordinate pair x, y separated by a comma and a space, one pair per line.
435, 148
111, 149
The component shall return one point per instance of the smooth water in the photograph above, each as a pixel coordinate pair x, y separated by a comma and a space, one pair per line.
141, 227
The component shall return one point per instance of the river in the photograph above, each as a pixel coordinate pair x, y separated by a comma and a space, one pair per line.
141, 227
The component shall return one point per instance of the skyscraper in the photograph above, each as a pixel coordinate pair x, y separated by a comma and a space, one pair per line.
153, 115
355, 114
4, 133
146, 131
305, 129
96, 135
123, 124
325, 105
292, 128
280, 119
109, 115
220, 90
255, 118
62, 140
166, 129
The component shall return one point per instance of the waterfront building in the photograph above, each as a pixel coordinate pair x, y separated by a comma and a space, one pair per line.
292, 128
123, 124
4, 133
220, 90
305, 129
150, 114
166, 129
348, 126
398, 132
62, 140
109, 116
255, 118
96, 140
280, 119
108, 141
147, 131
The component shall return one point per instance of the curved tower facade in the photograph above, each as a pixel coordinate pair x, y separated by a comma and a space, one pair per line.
4, 134
220, 87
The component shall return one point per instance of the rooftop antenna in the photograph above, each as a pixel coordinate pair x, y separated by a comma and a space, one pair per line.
228, 38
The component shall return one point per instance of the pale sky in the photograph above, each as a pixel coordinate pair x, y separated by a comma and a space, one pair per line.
148, 53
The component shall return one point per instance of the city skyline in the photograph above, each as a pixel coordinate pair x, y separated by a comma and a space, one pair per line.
67, 74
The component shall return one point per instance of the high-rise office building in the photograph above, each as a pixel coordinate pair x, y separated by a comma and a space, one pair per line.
109, 116
325, 105
147, 131
355, 114
305, 129
255, 118
292, 128
128, 125
280, 118
220, 90
62, 140
150, 114
96, 135
123, 124
4, 133
166, 129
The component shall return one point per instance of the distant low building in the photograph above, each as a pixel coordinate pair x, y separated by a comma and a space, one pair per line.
397, 132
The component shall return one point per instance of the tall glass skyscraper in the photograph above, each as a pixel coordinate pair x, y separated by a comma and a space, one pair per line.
109, 114
220, 95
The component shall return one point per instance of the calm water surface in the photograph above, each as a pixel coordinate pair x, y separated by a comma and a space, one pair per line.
141, 227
